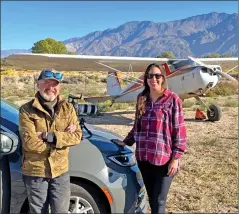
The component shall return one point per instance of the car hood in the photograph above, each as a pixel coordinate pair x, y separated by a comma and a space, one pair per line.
102, 139
9, 116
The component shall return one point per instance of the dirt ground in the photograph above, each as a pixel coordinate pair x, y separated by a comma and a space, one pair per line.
207, 181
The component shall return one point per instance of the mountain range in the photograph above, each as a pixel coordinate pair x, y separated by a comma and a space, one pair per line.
196, 36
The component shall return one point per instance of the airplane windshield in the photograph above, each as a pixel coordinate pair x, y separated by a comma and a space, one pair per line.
182, 63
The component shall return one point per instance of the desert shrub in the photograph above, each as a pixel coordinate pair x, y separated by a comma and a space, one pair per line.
9, 72
9, 80
26, 79
73, 79
224, 89
93, 91
188, 103
104, 80
230, 103
107, 106
90, 80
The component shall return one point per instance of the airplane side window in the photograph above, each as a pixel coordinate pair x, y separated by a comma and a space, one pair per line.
180, 64
171, 67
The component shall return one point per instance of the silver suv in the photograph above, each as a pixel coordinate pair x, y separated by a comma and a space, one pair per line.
105, 177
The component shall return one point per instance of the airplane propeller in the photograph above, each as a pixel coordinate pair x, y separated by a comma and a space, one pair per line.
227, 76
221, 73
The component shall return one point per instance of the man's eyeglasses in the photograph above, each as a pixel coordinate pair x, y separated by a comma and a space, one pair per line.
50, 74
157, 76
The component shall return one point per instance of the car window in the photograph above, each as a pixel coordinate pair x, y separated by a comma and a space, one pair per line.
10, 103
9, 111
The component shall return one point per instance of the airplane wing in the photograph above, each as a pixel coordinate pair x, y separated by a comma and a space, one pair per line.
64, 62
225, 63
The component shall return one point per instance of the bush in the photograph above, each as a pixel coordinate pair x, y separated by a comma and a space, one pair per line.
223, 89
106, 106
231, 103
73, 79
188, 103
26, 79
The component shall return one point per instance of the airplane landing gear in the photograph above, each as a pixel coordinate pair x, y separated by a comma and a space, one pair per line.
214, 113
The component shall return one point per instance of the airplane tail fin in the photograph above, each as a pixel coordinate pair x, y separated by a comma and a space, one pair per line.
167, 69
113, 84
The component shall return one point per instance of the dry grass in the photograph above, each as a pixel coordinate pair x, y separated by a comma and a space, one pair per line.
207, 181
224, 88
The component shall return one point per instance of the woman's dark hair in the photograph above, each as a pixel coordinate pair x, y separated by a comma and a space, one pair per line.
145, 93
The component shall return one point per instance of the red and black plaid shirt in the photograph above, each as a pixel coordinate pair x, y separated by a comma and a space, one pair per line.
160, 133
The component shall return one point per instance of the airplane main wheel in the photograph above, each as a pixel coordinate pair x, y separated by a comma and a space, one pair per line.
215, 113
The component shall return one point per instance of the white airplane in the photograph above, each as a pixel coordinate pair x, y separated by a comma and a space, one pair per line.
186, 77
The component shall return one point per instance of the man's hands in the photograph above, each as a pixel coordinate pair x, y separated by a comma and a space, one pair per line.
172, 167
39, 134
70, 128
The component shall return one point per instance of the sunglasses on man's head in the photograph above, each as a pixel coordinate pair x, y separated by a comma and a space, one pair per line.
50, 74
157, 76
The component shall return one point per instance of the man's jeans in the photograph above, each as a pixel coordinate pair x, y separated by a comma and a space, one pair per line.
43, 192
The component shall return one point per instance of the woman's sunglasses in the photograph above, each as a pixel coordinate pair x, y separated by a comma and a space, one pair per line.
157, 76
50, 74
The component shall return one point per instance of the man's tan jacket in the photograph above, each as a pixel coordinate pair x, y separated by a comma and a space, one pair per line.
38, 157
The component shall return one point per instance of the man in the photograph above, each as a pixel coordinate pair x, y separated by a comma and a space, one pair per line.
48, 125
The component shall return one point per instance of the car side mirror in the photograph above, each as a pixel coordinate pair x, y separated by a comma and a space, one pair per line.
8, 143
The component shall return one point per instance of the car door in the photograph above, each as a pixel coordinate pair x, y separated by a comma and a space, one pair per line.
11, 163
5, 184
18, 190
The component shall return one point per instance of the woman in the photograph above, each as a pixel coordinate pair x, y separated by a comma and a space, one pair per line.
160, 136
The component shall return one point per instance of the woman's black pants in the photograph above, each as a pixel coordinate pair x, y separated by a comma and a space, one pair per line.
157, 184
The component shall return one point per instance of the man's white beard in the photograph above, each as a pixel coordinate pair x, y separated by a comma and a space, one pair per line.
48, 98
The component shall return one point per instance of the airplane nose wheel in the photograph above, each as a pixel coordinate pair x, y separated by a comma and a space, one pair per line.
214, 113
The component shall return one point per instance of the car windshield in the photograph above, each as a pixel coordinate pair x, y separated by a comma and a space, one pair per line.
9, 111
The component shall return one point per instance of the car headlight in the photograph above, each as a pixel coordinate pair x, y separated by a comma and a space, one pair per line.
123, 159
5, 144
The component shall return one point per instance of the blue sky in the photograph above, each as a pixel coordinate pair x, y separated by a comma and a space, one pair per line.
25, 22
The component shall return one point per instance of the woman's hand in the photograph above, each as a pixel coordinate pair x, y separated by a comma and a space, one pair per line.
172, 167
118, 142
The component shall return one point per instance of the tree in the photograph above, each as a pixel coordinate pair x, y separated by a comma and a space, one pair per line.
71, 53
216, 55
226, 55
168, 54
50, 46
212, 55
